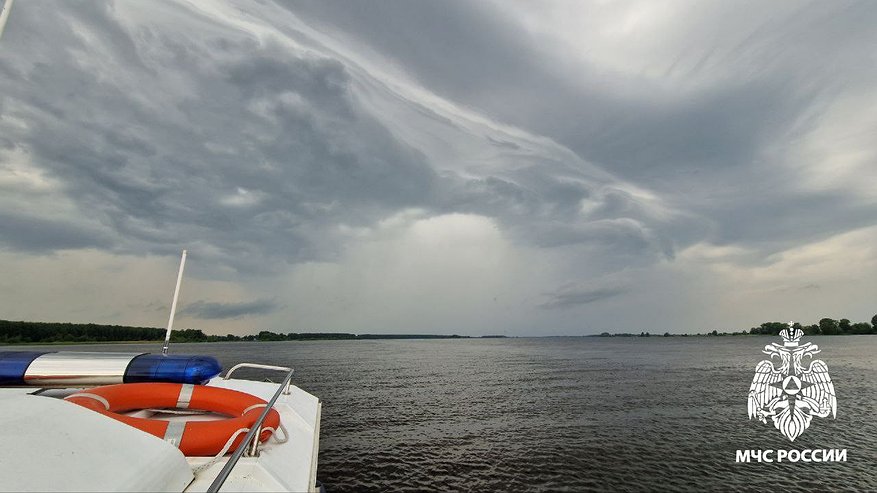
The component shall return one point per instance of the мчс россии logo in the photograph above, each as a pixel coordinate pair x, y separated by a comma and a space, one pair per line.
786, 392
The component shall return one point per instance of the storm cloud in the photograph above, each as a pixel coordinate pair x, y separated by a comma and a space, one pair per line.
570, 296
255, 144
214, 310
290, 146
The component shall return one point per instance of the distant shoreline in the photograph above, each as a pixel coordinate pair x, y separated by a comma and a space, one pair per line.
720, 334
63, 333
826, 326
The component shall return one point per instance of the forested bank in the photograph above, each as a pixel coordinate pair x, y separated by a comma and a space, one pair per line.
19, 332
826, 326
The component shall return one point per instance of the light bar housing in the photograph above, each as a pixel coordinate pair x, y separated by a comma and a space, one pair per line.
84, 369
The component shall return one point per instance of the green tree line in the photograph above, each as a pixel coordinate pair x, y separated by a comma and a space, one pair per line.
39, 332
12, 332
826, 326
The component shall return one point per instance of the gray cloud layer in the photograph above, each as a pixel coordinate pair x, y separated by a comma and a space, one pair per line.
572, 296
263, 134
253, 147
736, 86
213, 310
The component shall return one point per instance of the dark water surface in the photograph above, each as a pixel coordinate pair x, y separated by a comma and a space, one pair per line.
628, 414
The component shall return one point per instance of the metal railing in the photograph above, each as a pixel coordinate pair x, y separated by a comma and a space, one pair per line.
251, 440
260, 367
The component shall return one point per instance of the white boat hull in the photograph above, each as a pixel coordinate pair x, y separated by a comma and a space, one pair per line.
53, 445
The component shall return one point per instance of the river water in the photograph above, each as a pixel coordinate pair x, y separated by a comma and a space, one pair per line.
632, 414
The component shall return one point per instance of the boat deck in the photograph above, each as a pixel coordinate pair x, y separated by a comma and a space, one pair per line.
54, 445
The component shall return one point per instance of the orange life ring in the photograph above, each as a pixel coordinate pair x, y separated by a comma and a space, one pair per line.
193, 438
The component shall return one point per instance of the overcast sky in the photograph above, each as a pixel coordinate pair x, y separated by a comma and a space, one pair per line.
525, 168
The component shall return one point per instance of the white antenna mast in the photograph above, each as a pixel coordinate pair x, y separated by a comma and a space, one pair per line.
170, 321
4, 14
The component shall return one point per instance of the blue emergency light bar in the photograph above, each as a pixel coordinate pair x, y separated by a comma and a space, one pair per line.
70, 369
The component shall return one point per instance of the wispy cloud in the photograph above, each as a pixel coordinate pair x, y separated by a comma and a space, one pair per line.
573, 295
215, 310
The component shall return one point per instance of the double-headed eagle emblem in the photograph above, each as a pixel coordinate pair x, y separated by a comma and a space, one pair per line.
789, 394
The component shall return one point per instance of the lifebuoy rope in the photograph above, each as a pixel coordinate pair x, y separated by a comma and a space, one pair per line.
268, 428
96, 397
254, 406
203, 467
274, 433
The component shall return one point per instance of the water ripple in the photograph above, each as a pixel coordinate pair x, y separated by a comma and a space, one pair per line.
572, 414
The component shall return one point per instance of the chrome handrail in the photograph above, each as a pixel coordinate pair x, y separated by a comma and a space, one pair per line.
260, 367
253, 434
